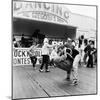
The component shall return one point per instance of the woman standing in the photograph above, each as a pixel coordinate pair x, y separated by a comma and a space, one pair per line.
45, 55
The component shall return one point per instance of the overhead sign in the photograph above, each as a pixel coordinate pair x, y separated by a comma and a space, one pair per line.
41, 11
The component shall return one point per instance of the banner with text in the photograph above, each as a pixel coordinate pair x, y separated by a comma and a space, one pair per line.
21, 56
41, 11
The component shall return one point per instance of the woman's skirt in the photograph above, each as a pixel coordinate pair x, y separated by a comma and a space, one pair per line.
63, 63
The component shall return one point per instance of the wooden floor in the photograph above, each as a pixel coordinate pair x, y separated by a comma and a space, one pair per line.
29, 83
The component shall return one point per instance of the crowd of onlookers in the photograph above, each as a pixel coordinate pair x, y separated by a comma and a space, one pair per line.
88, 51
22, 42
87, 47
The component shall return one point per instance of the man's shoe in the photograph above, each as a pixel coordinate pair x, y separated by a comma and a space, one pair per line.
75, 82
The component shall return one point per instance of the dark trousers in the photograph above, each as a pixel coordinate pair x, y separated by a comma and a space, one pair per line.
95, 58
90, 61
68, 74
45, 61
85, 56
33, 60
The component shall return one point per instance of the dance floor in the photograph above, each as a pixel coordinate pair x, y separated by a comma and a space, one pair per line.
29, 83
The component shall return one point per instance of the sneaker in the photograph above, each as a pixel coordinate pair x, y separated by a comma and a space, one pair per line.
40, 70
75, 82
47, 70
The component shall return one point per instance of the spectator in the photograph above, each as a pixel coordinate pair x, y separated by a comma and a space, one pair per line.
90, 50
15, 44
85, 54
81, 46
85, 42
22, 41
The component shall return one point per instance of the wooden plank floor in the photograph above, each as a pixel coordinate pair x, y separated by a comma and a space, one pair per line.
29, 83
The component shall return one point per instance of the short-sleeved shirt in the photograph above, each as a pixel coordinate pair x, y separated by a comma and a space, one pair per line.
45, 49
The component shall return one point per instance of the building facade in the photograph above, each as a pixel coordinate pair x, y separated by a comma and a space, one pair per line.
59, 16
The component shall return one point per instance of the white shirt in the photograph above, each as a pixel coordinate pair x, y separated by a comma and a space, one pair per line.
45, 49
53, 54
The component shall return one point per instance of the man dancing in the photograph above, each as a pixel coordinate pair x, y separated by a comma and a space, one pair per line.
76, 54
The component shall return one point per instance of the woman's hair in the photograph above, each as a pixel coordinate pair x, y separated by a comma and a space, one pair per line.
85, 41
46, 40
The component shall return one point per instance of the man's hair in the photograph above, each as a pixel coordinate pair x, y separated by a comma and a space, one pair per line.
92, 42
22, 34
82, 36
68, 50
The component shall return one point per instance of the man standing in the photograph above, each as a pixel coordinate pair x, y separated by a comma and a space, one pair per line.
90, 52
22, 41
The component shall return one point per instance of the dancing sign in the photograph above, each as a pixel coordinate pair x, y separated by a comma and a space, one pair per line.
41, 11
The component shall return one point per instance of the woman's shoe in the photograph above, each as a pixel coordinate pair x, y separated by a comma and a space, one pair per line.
41, 70
47, 70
